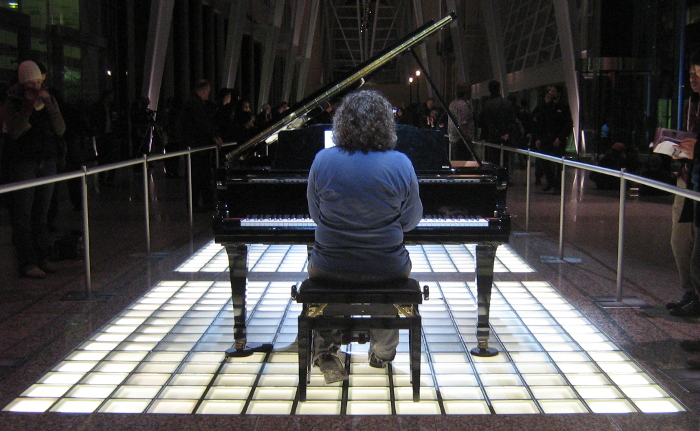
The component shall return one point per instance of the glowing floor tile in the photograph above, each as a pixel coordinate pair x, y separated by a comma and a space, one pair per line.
124, 406
514, 407
128, 391
422, 408
466, 408
507, 393
562, 406
172, 406
164, 352
269, 407
30, 405
319, 408
91, 391
553, 392
369, 408
68, 405
182, 392
611, 406
665, 405
46, 391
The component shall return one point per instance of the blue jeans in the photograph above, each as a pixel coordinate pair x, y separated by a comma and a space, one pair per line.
28, 212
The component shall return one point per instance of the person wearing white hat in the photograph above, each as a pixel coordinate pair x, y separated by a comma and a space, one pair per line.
34, 124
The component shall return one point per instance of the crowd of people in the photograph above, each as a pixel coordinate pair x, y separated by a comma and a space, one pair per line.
45, 135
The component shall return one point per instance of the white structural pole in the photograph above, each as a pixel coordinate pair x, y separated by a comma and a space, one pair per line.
236, 23
156, 49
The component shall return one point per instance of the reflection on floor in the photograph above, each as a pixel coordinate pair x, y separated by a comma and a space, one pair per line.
163, 353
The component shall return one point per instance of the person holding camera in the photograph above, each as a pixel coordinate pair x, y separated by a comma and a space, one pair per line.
34, 126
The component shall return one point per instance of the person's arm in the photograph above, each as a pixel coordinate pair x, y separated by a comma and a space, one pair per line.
467, 122
687, 145
412, 207
311, 195
18, 109
51, 105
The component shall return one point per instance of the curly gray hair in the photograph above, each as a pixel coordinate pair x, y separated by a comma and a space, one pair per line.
364, 122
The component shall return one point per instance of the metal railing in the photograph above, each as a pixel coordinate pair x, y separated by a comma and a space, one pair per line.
621, 174
87, 172
565, 163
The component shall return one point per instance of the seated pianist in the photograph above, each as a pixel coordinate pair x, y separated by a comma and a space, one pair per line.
363, 195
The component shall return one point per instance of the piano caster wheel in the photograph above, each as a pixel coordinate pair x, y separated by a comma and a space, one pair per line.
242, 350
484, 352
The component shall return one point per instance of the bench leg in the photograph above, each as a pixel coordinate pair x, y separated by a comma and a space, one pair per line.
304, 354
414, 348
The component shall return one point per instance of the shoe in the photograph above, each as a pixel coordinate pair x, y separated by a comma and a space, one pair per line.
331, 367
687, 297
376, 362
48, 267
34, 272
691, 309
547, 188
690, 345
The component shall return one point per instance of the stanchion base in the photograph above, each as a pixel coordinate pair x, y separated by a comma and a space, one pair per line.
485, 352
555, 259
81, 295
612, 302
248, 350
152, 255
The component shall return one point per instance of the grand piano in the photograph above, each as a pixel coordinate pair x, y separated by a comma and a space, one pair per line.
261, 192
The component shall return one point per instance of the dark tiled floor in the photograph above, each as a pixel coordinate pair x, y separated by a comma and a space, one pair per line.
38, 328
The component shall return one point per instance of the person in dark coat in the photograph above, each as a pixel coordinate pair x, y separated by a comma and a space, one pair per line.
199, 130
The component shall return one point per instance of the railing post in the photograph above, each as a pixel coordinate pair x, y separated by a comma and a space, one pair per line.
86, 235
189, 186
562, 209
621, 235
145, 204
527, 191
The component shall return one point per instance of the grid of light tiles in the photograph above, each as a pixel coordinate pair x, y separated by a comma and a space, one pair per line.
292, 258
163, 354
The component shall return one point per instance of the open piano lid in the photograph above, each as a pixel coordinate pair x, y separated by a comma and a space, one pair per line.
316, 102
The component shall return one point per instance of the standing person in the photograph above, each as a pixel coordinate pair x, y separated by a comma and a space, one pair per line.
173, 132
425, 110
102, 119
689, 146
525, 120
462, 112
225, 111
363, 195
61, 148
34, 125
537, 118
682, 231
498, 121
198, 130
552, 129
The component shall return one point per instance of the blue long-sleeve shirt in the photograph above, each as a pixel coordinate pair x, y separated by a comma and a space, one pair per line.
362, 204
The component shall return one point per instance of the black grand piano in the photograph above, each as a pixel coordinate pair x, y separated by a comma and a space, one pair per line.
262, 200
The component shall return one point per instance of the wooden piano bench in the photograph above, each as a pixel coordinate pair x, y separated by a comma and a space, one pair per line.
354, 308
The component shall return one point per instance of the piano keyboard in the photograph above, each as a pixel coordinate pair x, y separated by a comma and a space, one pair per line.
303, 222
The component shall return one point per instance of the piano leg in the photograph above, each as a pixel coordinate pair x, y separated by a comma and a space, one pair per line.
238, 269
485, 256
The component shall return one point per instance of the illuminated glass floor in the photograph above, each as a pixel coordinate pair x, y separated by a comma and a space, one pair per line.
164, 353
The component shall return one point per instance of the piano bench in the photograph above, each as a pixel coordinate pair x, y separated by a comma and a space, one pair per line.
353, 308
